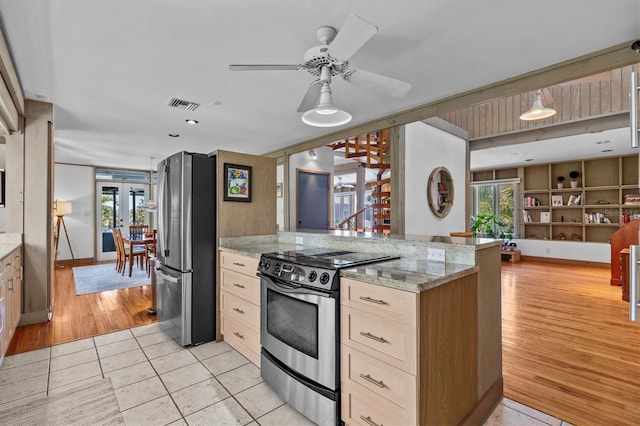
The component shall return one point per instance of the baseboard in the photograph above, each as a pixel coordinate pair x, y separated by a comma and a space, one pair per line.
485, 405
29, 318
75, 262
592, 264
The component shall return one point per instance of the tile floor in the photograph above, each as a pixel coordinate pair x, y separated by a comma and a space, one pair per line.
158, 382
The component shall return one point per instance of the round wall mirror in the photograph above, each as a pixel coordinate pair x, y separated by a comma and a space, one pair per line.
440, 191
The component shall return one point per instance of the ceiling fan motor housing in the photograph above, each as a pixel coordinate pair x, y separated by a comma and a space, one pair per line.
317, 57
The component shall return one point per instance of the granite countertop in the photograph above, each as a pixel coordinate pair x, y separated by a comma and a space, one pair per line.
409, 274
8, 243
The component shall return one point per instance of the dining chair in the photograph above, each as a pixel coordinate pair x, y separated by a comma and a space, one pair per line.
119, 256
138, 230
151, 251
138, 252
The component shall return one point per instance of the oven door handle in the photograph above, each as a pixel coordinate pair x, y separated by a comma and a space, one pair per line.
284, 287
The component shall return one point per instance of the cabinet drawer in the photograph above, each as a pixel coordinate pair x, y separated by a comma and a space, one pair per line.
241, 337
389, 341
361, 407
240, 285
390, 303
240, 309
380, 378
236, 262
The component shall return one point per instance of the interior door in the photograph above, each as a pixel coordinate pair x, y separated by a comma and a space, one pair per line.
313, 191
118, 205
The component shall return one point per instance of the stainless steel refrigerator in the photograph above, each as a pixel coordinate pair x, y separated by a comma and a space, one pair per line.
186, 246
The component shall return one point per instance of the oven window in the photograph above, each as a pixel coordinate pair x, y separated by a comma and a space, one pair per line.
293, 322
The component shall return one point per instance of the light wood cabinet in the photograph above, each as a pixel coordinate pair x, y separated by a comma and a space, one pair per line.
240, 304
409, 358
10, 297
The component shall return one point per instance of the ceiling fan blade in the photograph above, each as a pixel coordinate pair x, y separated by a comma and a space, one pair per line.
264, 67
311, 97
355, 32
388, 85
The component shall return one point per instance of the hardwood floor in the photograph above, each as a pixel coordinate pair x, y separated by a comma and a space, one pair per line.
76, 317
568, 347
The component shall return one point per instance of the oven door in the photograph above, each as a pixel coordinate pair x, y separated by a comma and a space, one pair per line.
298, 327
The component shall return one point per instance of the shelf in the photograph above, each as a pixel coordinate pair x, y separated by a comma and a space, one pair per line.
601, 188
563, 207
603, 225
602, 206
535, 207
563, 190
566, 223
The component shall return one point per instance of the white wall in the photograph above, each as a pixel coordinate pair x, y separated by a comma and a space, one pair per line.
427, 147
302, 160
77, 184
588, 252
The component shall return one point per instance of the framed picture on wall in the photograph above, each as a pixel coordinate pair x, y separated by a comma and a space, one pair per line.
237, 182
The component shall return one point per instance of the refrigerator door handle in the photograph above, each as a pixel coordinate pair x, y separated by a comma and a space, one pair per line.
162, 216
167, 277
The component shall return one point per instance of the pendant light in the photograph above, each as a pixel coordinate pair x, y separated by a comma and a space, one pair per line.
538, 111
326, 114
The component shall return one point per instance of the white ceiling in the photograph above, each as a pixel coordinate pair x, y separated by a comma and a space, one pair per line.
110, 66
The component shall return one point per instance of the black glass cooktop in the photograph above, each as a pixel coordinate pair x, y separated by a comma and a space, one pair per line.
327, 258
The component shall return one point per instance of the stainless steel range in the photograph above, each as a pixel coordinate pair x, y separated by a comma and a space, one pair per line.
300, 332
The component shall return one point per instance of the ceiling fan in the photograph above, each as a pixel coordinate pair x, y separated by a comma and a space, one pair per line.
331, 59
341, 185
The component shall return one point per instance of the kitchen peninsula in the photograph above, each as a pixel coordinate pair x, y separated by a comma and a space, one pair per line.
436, 358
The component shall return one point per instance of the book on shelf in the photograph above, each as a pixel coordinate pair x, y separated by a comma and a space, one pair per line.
526, 217
530, 202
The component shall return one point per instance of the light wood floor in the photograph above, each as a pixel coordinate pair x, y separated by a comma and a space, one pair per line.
568, 347
76, 317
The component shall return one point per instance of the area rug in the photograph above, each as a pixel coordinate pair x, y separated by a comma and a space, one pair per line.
91, 404
104, 277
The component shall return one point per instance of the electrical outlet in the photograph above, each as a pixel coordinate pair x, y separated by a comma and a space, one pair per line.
299, 240
435, 254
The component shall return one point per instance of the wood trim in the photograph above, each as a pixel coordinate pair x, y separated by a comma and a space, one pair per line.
485, 405
605, 265
603, 60
8, 73
77, 261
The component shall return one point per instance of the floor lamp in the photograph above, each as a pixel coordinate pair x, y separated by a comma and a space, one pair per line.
62, 208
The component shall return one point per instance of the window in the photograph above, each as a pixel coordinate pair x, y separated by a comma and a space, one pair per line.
498, 198
343, 206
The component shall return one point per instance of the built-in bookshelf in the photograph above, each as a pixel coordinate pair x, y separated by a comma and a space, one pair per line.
603, 198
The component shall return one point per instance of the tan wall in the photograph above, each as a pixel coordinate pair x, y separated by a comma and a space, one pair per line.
258, 217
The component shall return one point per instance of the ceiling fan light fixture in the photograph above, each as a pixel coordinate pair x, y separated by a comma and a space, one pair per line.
326, 114
538, 111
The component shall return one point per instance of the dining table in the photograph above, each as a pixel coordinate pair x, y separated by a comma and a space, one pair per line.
134, 240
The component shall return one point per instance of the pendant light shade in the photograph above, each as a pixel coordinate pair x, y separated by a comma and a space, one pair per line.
537, 111
326, 114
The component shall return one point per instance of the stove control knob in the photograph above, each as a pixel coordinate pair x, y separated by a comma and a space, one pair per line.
312, 276
266, 265
324, 278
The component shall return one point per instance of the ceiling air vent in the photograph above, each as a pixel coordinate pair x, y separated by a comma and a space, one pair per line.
182, 104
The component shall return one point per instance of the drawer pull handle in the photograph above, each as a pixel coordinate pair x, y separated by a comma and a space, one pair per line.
242, 265
240, 336
238, 310
369, 421
238, 285
372, 337
370, 379
376, 301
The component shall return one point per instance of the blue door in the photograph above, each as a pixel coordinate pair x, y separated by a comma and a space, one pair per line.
313, 200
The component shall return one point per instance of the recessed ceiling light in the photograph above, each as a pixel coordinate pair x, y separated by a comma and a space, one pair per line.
606, 150
191, 121
529, 159
216, 103
602, 142
514, 153
174, 135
